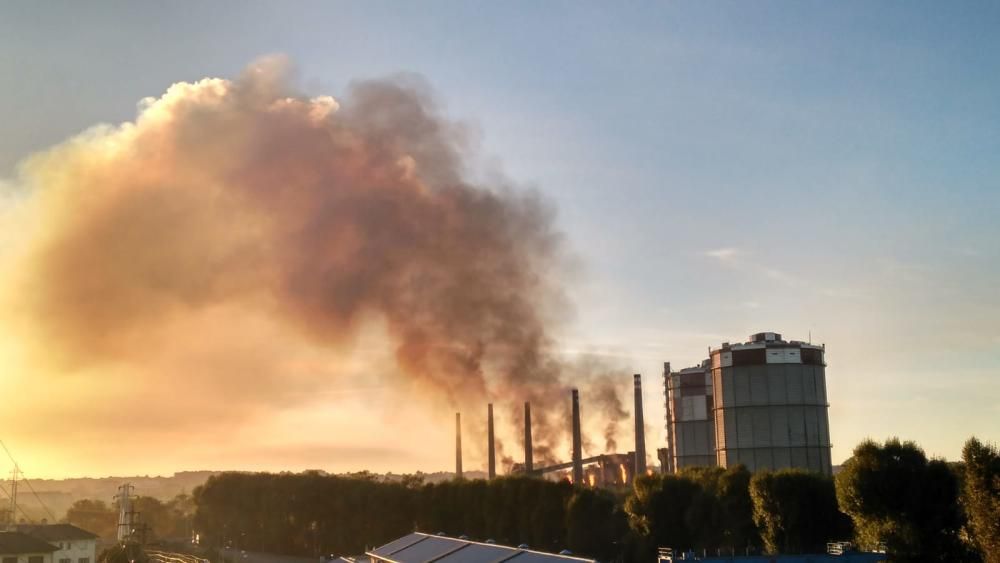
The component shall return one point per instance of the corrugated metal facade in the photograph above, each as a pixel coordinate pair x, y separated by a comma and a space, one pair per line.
689, 392
771, 409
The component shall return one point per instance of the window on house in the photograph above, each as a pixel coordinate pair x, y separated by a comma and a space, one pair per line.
83, 560
36, 559
67, 560
10, 560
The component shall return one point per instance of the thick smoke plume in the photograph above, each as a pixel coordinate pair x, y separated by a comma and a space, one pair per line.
321, 215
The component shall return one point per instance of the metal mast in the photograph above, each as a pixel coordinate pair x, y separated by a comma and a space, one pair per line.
125, 512
13, 498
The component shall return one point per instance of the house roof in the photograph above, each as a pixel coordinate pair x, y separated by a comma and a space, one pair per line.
56, 532
15, 542
418, 547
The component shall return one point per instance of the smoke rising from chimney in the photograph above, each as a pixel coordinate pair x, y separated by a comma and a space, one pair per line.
316, 215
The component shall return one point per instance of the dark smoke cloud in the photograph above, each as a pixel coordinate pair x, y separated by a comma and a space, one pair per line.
607, 400
155, 239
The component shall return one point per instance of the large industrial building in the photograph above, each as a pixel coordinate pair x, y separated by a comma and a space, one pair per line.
692, 430
761, 403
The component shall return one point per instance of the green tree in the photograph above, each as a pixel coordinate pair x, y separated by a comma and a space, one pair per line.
595, 525
699, 508
981, 496
704, 513
154, 515
312, 513
181, 509
894, 494
796, 511
94, 516
736, 508
659, 510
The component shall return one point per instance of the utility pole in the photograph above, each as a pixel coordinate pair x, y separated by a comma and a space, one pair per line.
125, 512
13, 498
142, 528
491, 468
458, 445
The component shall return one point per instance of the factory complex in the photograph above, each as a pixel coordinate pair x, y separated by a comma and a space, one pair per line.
761, 403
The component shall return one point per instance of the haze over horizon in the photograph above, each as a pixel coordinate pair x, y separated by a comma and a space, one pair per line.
647, 182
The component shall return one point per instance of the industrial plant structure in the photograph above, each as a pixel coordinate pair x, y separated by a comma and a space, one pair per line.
691, 430
761, 403
604, 470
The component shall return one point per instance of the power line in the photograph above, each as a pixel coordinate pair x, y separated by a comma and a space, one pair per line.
27, 482
32, 489
19, 507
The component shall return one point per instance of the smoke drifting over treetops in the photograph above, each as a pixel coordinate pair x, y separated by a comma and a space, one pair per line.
213, 246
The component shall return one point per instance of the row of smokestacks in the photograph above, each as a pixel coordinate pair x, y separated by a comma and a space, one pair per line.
577, 437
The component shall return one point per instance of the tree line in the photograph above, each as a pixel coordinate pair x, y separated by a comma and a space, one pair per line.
887, 494
314, 514
170, 520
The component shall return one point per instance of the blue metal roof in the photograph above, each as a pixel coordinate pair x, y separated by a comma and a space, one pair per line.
423, 548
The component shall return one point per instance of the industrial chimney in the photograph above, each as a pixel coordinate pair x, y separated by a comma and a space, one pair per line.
491, 447
669, 465
528, 456
458, 445
577, 441
640, 430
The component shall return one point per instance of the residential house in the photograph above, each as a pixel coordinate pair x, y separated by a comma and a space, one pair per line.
16, 547
74, 545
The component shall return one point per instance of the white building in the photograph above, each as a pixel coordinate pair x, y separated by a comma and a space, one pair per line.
16, 547
73, 545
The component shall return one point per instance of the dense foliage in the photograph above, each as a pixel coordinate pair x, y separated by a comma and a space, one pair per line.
894, 494
796, 511
95, 516
162, 520
700, 508
925, 510
313, 513
981, 496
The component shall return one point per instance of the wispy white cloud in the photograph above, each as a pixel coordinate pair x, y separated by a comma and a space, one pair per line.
736, 257
968, 252
780, 276
727, 254
844, 292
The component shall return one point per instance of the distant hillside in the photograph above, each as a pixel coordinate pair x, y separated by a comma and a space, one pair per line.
60, 494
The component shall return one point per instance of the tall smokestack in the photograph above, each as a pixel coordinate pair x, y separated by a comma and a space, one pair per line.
577, 441
491, 447
529, 464
458, 445
669, 468
640, 430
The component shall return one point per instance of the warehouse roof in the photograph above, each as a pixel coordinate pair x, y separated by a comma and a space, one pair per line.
15, 542
418, 548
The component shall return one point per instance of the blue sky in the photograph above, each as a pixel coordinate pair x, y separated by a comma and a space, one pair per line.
720, 168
